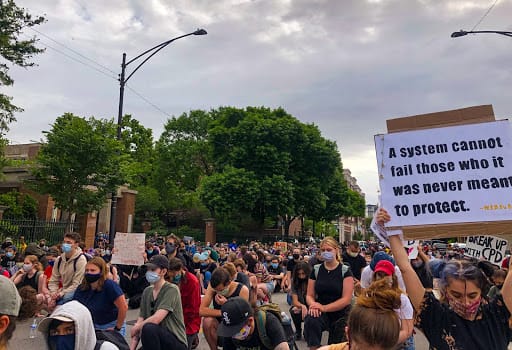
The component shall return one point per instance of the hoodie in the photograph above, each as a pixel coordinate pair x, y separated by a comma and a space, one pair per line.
67, 272
85, 336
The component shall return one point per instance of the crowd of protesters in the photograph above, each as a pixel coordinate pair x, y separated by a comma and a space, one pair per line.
184, 285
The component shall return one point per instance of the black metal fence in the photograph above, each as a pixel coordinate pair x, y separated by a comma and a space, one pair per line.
34, 230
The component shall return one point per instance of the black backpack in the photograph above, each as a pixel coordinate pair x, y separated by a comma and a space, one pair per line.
113, 337
87, 258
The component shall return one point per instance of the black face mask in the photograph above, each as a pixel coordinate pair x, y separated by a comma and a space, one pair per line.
499, 286
296, 256
92, 277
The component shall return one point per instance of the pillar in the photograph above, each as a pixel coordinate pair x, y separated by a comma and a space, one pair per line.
210, 232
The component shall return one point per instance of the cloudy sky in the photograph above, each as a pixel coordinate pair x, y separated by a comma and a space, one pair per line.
344, 65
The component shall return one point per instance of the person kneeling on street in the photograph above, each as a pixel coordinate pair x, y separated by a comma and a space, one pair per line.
240, 329
160, 324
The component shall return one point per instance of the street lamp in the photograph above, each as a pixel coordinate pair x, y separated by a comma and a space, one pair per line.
122, 82
463, 33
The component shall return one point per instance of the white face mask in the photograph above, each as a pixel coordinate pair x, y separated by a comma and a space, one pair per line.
27, 267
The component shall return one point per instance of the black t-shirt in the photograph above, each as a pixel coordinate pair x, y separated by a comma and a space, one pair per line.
356, 264
274, 330
290, 265
329, 284
445, 330
276, 271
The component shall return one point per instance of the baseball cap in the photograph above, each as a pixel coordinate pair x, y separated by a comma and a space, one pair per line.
160, 261
235, 313
378, 257
385, 266
10, 301
8, 239
44, 325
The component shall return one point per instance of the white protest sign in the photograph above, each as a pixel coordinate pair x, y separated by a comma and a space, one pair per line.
446, 175
129, 249
489, 248
412, 248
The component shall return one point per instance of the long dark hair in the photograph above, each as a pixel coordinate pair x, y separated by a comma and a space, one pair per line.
250, 261
298, 284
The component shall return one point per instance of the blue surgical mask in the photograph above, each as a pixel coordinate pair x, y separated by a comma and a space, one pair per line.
107, 252
274, 265
66, 247
150, 251
328, 256
176, 279
152, 277
51, 262
290, 257
204, 264
62, 342
9, 254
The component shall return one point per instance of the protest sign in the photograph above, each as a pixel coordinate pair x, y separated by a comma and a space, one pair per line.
488, 248
412, 249
455, 174
129, 249
281, 245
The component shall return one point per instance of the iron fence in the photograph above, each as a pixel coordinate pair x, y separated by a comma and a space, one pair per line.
34, 230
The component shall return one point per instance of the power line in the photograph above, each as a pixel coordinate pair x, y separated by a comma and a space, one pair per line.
74, 51
485, 15
149, 102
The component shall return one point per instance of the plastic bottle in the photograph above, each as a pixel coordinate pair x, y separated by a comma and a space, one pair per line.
285, 319
33, 329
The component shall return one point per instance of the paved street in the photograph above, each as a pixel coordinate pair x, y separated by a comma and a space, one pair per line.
21, 340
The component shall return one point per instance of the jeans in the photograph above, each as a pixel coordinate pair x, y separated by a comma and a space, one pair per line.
111, 325
156, 337
67, 297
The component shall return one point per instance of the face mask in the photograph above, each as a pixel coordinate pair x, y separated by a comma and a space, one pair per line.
41, 245
62, 342
152, 277
296, 256
352, 254
204, 264
290, 257
66, 247
176, 279
328, 256
27, 267
92, 277
499, 286
150, 251
274, 266
9, 254
107, 252
224, 292
51, 262
417, 264
466, 311
243, 334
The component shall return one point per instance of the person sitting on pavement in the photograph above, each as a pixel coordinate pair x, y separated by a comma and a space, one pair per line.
68, 270
299, 290
103, 297
221, 289
160, 324
69, 327
10, 259
10, 303
239, 328
32, 275
277, 272
265, 286
190, 299
373, 323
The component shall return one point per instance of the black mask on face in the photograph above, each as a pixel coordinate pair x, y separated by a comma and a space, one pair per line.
92, 277
296, 256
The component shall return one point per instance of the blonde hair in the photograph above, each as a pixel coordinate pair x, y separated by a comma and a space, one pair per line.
35, 262
230, 268
333, 243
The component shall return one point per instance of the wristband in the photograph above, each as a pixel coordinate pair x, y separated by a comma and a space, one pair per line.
117, 328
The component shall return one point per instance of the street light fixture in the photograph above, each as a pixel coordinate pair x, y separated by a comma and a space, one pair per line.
464, 33
122, 82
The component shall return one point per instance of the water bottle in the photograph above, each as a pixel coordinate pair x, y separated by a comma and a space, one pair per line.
285, 320
33, 329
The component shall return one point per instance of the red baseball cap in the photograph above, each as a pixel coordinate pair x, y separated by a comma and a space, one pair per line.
385, 266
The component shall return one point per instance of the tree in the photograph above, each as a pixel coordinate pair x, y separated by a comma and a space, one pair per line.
80, 163
19, 206
13, 20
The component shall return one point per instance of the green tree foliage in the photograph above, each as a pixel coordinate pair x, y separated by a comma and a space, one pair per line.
14, 50
80, 163
19, 205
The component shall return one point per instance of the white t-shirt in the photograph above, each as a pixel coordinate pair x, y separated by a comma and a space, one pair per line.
406, 311
367, 277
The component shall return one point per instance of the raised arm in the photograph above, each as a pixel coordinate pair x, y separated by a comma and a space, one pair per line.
506, 290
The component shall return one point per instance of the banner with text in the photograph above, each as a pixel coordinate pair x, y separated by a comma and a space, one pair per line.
129, 249
446, 175
488, 248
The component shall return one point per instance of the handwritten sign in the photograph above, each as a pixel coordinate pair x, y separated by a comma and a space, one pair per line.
488, 248
129, 249
446, 175
412, 249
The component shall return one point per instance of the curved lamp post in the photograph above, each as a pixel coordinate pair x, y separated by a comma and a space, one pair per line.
122, 82
464, 33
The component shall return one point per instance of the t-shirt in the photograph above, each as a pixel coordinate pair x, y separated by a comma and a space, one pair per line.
300, 292
356, 264
169, 298
445, 330
274, 330
244, 279
290, 265
261, 273
100, 302
191, 300
329, 285
277, 271
406, 311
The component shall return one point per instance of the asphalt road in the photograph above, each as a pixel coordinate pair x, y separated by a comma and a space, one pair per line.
21, 340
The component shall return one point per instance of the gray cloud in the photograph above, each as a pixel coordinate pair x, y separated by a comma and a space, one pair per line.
346, 66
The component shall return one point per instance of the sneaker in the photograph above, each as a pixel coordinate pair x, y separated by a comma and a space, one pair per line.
298, 336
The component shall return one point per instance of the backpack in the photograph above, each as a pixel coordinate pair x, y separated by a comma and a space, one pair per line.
261, 321
112, 337
344, 269
87, 258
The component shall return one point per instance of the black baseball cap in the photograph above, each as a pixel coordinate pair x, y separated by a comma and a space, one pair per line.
160, 261
234, 313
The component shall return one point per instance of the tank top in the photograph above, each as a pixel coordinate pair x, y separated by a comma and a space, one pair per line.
234, 294
30, 281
